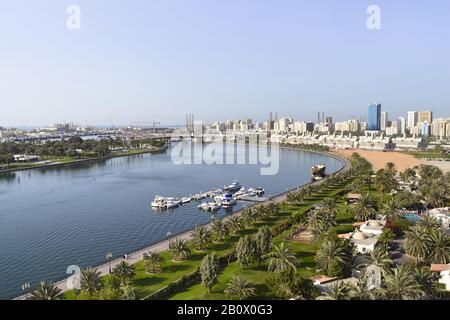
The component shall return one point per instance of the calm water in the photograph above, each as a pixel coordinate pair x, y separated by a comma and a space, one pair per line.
55, 217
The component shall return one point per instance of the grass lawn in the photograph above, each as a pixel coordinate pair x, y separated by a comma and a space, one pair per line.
429, 155
147, 284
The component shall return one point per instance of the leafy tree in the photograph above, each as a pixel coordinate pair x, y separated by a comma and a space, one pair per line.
209, 270
245, 251
263, 243
235, 224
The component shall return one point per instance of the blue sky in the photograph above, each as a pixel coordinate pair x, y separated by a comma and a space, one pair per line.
143, 60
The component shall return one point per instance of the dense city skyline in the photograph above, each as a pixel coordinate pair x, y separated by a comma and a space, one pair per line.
215, 59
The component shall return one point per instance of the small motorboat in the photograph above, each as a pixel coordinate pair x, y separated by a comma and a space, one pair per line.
235, 186
185, 200
240, 192
159, 202
172, 204
258, 191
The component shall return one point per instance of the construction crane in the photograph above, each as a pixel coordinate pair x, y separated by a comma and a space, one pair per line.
152, 123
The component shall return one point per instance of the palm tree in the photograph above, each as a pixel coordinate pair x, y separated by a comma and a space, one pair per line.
385, 182
281, 259
401, 285
364, 208
429, 222
338, 290
361, 290
391, 211
124, 271
235, 224
415, 243
331, 257
90, 280
152, 262
426, 281
378, 258
200, 237
46, 291
178, 249
320, 221
220, 229
240, 287
329, 205
439, 246
247, 217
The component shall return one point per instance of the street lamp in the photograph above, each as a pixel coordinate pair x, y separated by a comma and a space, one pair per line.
25, 288
109, 257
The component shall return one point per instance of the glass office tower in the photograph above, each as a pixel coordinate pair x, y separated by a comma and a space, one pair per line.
374, 117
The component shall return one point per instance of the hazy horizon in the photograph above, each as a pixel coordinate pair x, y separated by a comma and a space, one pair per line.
158, 60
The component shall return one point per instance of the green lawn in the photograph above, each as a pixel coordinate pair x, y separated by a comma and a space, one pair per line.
147, 284
429, 155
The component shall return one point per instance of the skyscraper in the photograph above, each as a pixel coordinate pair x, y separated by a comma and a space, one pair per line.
374, 117
402, 125
412, 119
425, 116
384, 120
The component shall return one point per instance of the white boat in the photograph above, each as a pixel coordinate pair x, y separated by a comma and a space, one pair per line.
258, 191
159, 202
209, 206
240, 192
235, 186
228, 202
172, 204
185, 200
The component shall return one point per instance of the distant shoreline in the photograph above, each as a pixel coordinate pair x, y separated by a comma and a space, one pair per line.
59, 164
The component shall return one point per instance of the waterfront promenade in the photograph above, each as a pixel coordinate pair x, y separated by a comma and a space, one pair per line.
163, 245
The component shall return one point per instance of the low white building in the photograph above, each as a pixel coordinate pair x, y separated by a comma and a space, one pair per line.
364, 244
373, 227
442, 215
444, 271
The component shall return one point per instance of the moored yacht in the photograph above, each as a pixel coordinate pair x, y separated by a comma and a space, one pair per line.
235, 186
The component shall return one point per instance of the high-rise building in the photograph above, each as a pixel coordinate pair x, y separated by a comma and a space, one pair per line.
412, 120
439, 128
425, 116
374, 117
402, 125
384, 120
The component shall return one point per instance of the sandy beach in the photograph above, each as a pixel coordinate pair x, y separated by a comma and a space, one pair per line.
378, 159
402, 161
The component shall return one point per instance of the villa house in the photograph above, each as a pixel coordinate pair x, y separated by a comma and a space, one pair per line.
373, 227
444, 270
364, 243
442, 215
